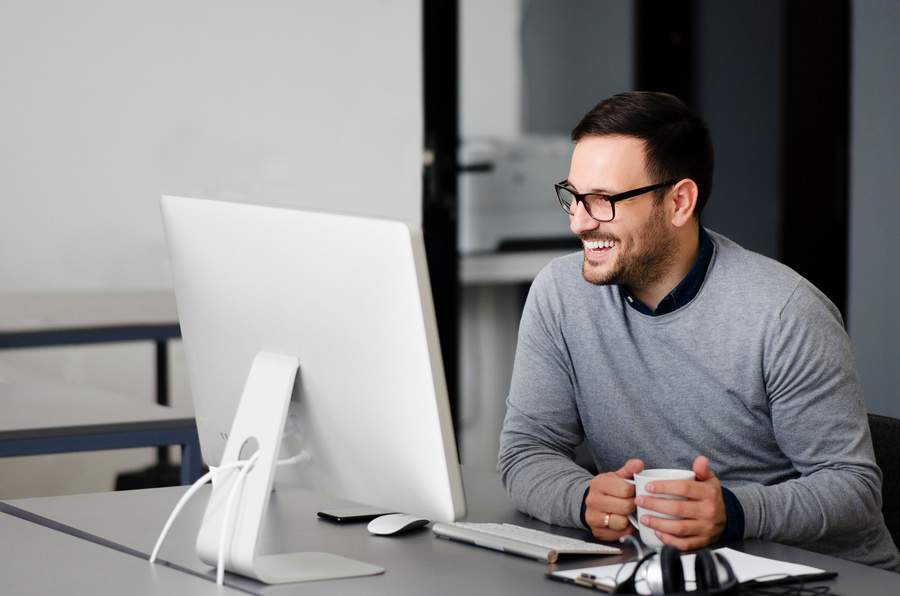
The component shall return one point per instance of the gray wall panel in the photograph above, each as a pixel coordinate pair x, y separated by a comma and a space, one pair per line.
874, 292
738, 49
574, 55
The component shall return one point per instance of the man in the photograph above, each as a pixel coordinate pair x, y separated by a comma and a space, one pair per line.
664, 345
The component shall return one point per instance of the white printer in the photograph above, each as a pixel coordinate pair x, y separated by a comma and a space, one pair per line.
506, 196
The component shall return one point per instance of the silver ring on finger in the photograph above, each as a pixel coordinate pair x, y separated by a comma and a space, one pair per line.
605, 520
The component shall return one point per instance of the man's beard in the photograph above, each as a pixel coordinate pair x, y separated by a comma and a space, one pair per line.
638, 269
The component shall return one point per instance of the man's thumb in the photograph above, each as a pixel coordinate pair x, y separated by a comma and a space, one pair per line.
702, 469
631, 467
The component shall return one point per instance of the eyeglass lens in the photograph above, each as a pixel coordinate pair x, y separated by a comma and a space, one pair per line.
597, 206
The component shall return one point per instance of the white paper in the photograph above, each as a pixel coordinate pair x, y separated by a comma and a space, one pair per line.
746, 567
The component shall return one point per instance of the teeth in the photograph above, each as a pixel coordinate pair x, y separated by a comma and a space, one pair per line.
596, 244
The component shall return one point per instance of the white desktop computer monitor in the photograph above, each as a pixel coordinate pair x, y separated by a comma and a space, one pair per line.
348, 297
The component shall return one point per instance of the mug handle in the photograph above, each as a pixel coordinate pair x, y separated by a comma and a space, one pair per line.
631, 518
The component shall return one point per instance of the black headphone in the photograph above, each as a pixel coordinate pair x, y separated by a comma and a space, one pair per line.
664, 574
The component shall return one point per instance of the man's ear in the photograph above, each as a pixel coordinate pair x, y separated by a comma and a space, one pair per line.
683, 197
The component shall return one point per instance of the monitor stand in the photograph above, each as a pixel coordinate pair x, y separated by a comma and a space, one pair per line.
261, 415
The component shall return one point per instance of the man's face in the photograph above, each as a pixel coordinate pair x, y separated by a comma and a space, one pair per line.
643, 241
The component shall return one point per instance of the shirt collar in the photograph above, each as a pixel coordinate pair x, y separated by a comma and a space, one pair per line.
685, 291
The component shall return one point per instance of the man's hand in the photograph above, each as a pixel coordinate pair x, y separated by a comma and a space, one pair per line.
609, 501
703, 511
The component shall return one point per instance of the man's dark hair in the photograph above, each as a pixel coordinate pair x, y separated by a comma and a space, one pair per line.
677, 141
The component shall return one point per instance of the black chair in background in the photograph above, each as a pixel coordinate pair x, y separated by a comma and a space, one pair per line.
886, 441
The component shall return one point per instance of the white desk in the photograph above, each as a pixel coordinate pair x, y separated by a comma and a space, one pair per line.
39, 560
416, 563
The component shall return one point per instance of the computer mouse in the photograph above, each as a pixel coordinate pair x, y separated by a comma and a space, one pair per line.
395, 523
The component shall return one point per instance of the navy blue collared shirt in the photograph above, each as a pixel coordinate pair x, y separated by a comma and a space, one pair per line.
683, 293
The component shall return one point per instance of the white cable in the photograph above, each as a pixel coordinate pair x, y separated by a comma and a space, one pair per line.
183, 501
198, 484
294, 459
229, 505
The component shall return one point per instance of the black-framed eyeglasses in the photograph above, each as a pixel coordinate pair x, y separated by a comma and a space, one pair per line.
599, 206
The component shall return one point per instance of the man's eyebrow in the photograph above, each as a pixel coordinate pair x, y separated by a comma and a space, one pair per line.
593, 191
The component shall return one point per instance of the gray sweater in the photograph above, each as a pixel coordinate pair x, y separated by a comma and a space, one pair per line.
756, 372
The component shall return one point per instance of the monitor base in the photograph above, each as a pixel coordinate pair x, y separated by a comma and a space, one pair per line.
309, 566
239, 500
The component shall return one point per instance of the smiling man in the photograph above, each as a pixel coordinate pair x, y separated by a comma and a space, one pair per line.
665, 345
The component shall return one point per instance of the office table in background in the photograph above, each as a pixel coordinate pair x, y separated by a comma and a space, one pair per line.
72, 318
78, 318
505, 267
493, 289
416, 563
42, 416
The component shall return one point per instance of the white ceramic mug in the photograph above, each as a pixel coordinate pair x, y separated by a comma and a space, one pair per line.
648, 535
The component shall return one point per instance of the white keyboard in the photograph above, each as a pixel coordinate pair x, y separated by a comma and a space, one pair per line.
521, 541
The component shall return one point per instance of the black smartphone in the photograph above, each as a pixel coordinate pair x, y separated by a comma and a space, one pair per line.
348, 515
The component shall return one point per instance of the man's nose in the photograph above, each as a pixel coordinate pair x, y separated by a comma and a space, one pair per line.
580, 222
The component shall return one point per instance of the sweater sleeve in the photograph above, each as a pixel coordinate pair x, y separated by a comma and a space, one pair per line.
819, 420
542, 426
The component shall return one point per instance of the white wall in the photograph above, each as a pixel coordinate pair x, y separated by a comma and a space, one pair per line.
874, 288
106, 105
